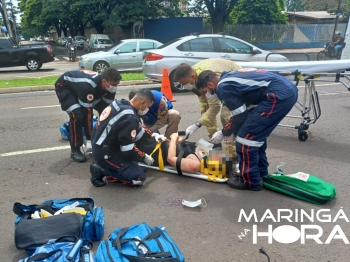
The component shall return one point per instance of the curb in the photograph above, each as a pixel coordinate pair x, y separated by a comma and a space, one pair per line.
51, 87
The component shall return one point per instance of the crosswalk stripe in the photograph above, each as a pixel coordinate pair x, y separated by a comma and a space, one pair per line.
67, 58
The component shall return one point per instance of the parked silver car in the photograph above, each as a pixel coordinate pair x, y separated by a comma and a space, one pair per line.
194, 48
126, 56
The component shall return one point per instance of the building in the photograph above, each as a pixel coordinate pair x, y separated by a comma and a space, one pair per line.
182, 4
311, 17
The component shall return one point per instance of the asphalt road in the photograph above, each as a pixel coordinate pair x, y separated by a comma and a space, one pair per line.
203, 234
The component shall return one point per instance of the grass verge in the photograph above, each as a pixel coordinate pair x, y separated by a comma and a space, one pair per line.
50, 80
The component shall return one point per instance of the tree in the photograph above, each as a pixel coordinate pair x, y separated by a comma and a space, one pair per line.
219, 11
319, 5
196, 8
294, 5
128, 12
265, 12
344, 10
7, 22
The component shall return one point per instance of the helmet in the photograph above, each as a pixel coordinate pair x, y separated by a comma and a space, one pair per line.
70, 38
338, 33
217, 163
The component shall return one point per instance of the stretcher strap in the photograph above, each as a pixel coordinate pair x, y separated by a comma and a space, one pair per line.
160, 156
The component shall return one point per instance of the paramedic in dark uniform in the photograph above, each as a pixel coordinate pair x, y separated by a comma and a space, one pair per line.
79, 92
258, 100
115, 141
160, 114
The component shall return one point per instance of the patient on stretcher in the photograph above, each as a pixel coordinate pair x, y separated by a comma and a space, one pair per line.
194, 159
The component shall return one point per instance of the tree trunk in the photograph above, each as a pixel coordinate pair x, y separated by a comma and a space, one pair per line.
58, 29
218, 25
7, 23
64, 29
98, 25
127, 30
81, 30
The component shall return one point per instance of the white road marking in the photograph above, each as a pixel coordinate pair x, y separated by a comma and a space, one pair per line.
67, 58
329, 84
56, 59
33, 107
35, 151
330, 94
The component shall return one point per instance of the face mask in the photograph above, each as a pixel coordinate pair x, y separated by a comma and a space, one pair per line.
212, 90
188, 86
142, 113
209, 96
112, 89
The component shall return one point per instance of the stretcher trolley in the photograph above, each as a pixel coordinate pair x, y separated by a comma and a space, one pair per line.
309, 72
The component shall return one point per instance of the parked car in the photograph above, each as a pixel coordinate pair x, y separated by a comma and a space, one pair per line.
126, 56
62, 41
194, 48
31, 56
79, 41
49, 40
98, 42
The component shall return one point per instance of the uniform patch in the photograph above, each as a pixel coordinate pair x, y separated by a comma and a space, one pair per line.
162, 109
105, 113
244, 70
88, 72
133, 134
90, 97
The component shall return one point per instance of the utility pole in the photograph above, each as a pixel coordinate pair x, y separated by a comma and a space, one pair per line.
337, 17
6, 18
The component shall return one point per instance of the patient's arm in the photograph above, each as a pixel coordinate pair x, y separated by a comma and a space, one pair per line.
188, 165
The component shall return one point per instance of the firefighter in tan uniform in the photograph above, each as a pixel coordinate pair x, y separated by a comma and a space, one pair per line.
209, 106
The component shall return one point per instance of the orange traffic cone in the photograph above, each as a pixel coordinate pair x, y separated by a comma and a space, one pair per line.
166, 88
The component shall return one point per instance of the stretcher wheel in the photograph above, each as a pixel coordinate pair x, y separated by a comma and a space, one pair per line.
303, 137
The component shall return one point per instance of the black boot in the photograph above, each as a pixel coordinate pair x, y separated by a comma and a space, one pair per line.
77, 155
235, 183
97, 175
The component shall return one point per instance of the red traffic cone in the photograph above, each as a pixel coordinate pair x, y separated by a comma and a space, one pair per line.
166, 88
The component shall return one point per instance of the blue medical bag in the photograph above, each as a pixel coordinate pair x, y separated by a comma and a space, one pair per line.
64, 128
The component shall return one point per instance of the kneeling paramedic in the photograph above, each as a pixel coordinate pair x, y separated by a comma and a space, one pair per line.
160, 114
115, 142
258, 101
79, 92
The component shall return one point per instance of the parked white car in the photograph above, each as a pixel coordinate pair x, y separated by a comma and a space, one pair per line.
126, 56
79, 41
62, 41
194, 48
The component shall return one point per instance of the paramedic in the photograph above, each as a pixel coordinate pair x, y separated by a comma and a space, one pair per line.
258, 100
209, 105
160, 114
115, 141
79, 92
